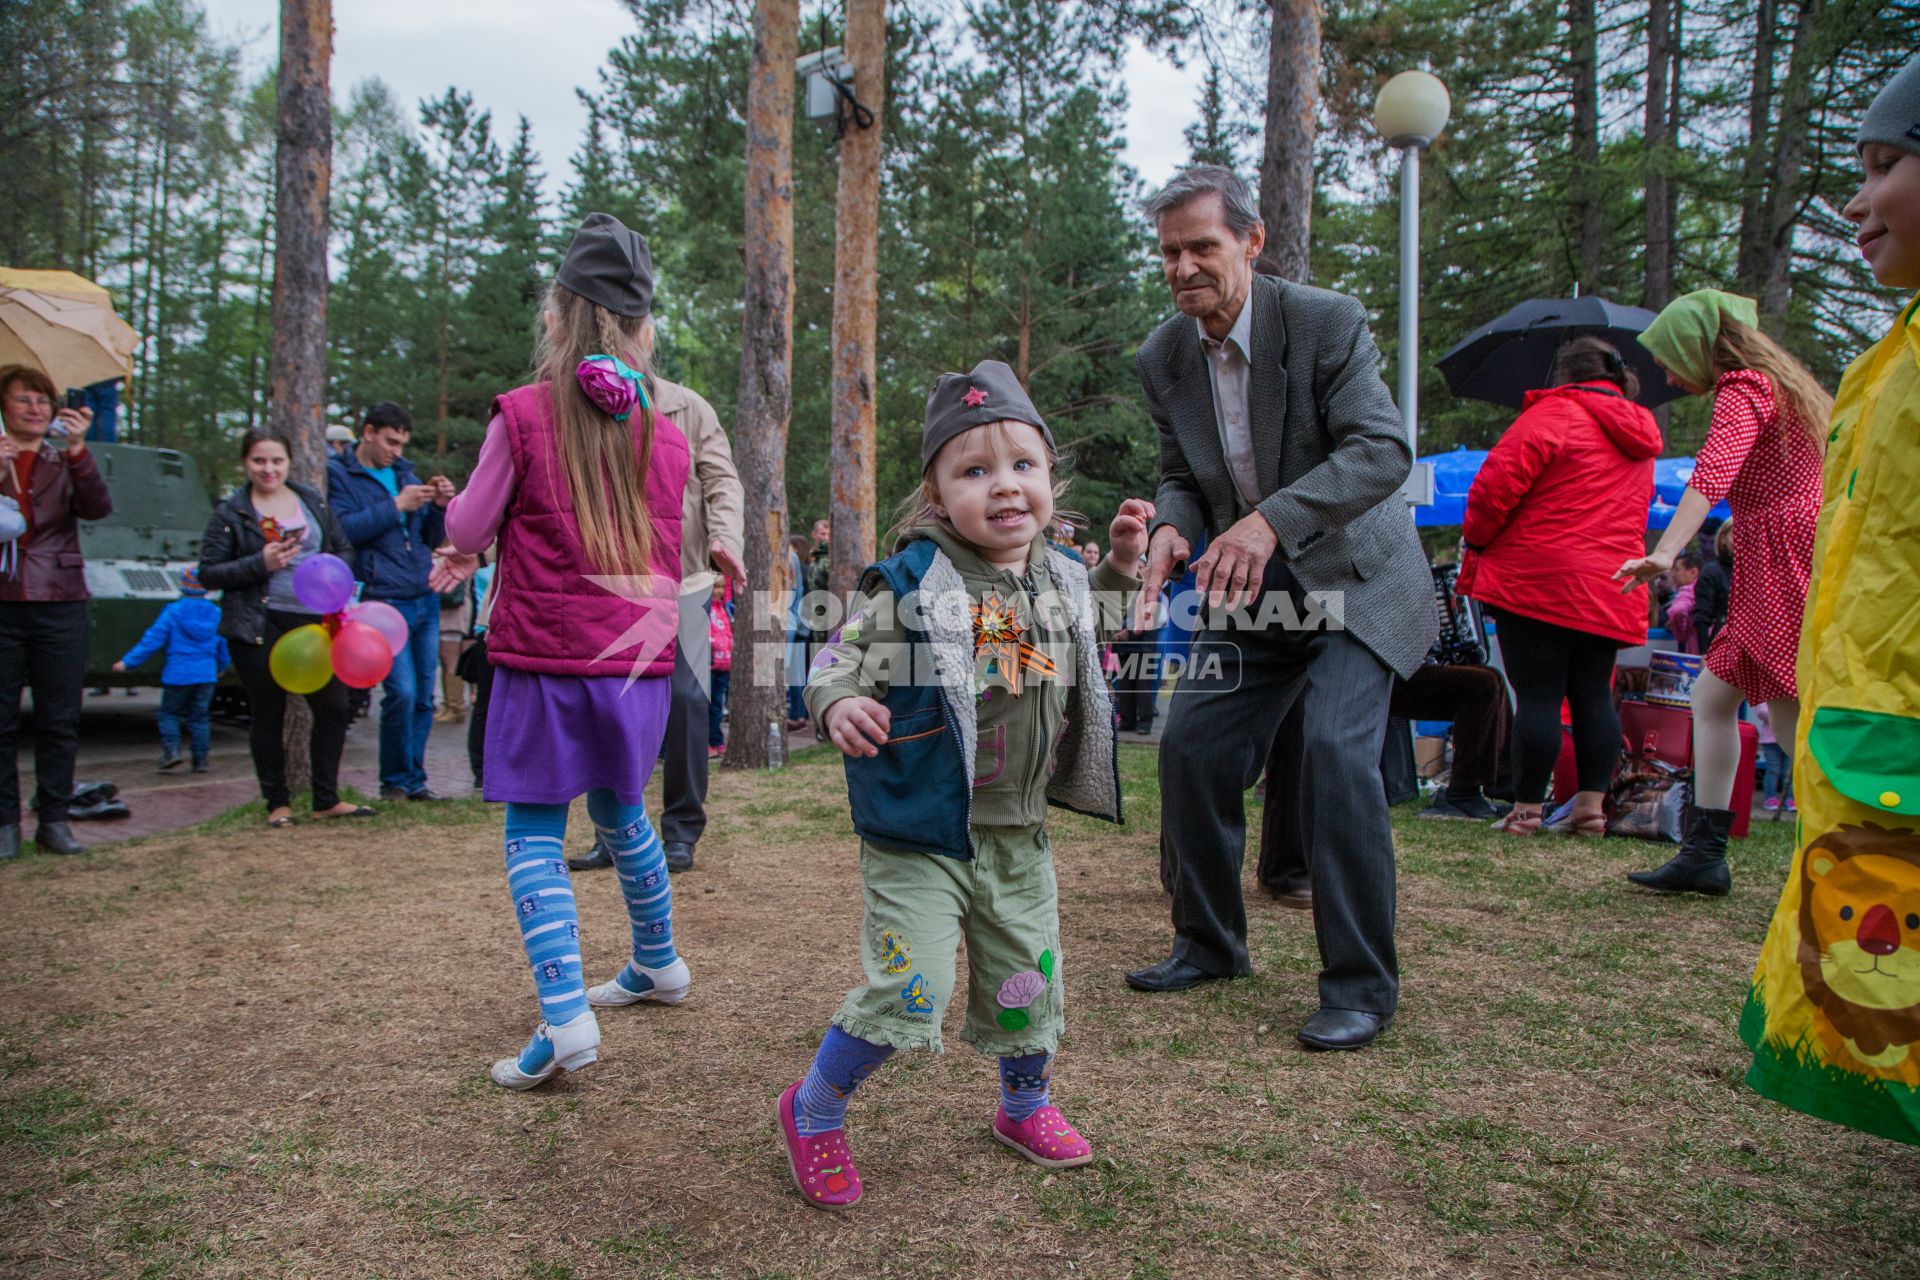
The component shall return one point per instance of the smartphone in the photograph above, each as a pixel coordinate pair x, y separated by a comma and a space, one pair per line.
75, 400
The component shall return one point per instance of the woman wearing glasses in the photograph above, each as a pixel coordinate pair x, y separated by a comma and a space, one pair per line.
45, 467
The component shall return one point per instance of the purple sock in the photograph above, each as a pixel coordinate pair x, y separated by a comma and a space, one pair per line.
820, 1103
1023, 1085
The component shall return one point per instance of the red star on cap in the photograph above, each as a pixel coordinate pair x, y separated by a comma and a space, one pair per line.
974, 398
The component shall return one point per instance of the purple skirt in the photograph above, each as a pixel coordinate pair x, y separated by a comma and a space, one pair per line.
551, 738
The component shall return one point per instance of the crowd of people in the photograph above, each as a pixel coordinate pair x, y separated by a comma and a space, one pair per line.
966, 687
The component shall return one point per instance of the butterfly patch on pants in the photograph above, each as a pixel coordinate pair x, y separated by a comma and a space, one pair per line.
893, 952
916, 996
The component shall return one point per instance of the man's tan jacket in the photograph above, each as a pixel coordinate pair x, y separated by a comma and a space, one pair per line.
715, 506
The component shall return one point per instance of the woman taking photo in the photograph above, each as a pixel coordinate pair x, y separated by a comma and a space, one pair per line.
1561, 498
1762, 455
252, 543
43, 598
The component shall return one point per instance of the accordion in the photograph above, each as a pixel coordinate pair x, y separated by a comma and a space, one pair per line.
1462, 640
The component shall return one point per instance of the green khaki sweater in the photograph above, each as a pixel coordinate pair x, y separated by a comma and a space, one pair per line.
1017, 732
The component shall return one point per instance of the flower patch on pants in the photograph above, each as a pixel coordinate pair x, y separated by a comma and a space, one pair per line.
1019, 992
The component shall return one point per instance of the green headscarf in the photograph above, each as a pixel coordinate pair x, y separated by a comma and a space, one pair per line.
1681, 337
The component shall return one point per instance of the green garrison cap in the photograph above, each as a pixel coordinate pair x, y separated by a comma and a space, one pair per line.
963, 401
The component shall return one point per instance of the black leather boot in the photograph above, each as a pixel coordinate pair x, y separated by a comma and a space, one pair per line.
1701, 864
57, 837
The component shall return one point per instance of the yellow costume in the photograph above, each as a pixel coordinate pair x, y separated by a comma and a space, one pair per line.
1834, 1014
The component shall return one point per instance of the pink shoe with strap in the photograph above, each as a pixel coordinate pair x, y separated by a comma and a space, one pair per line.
822, 1166
1044, 1137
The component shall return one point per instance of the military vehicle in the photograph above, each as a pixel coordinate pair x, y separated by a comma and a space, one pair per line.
134, 556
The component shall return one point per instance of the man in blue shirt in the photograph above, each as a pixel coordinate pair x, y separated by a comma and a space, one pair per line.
394, 522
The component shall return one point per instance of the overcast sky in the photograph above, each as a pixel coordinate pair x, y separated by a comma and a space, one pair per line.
525, 58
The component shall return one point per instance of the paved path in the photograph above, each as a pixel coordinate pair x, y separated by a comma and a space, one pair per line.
120, 744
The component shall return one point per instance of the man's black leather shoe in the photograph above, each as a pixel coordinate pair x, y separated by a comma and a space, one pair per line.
1343, 1029
57, 837
1171, 974
679, 855
595, 859
1297, 896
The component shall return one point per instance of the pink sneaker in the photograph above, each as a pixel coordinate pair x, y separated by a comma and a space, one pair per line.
1772, 802
822, 1166
1045, 1138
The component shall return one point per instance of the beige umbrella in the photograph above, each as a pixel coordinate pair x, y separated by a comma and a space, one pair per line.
64, 325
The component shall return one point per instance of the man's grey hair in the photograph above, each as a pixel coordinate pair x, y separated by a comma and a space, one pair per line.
1243, 214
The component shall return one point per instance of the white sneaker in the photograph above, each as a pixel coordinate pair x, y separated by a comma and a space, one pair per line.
670, 986
567, 1047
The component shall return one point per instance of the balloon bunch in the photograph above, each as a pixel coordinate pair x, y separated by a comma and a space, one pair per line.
356, 642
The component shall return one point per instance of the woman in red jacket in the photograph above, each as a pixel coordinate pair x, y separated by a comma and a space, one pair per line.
1561, 497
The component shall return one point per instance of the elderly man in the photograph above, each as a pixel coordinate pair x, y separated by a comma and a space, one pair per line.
1280, 443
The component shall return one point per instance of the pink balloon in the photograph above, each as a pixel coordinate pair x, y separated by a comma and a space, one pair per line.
360, 655
384, 618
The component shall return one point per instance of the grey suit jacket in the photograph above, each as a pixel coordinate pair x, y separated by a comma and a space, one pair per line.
1331, 452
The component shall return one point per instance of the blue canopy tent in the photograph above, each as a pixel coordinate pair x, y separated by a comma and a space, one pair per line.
1453, 475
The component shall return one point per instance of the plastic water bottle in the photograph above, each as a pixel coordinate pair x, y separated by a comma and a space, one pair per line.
776, 745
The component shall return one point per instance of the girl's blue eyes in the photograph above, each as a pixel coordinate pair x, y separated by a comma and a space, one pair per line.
974, 473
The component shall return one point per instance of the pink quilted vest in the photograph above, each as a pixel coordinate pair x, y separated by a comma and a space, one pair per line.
553, 611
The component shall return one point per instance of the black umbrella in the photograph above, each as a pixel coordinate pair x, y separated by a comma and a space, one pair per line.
1503, 360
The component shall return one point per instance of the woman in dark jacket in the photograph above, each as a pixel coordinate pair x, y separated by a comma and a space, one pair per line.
43, 598
253, 540
1564, 490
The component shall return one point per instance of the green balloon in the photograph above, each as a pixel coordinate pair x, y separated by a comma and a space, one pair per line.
302, 661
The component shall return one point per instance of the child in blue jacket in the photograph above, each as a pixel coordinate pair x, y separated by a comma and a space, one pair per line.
189, 630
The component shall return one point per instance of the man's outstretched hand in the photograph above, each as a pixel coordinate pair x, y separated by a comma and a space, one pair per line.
1235, 563
1166, 552
450, 569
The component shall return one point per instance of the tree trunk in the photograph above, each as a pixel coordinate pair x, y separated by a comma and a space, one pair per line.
1784, 175
1657, 290
1755, 212
1584, 63
1286, 160
303, 163
854, 506
766, 383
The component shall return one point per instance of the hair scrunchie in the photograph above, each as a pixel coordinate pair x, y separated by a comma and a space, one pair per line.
612, 386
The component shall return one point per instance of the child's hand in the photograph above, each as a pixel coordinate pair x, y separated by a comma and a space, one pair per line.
858, 726
120, 666
1127, 535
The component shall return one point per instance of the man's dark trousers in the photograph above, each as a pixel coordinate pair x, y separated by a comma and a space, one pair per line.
683, 753
1220, 730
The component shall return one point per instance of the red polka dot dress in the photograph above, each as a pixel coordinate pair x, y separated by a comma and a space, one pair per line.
1766, 466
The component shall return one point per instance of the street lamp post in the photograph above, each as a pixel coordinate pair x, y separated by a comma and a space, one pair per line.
1410, 113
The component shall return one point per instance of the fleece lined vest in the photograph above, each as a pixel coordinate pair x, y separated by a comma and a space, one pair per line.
553, 611
918, 792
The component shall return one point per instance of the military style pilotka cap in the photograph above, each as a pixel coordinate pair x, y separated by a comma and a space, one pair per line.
963, 401
608, 264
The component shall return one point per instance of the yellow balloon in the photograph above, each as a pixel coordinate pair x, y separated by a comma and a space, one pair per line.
301, 661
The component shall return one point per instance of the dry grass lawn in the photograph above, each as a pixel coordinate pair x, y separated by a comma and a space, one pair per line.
235, 1052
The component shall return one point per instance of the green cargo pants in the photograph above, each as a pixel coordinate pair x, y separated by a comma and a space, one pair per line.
1005, 903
